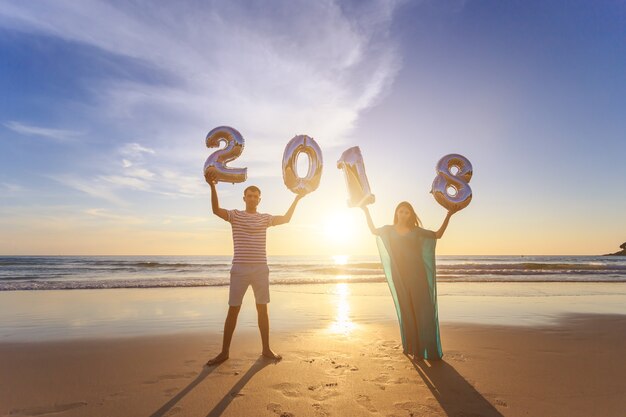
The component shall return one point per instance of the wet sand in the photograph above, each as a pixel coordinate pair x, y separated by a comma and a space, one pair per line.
572, 367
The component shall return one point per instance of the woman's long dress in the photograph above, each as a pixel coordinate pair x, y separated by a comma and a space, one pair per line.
409, 264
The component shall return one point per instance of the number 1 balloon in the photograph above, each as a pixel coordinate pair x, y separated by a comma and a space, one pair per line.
216, 162
307, 145
351, 162
452, 190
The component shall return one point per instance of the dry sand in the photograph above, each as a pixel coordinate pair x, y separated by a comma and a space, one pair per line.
574, 368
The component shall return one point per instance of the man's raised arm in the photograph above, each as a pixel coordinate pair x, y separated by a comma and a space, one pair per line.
215, 204
276, 220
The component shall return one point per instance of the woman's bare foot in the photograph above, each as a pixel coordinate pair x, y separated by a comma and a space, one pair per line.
218, 359
268, 353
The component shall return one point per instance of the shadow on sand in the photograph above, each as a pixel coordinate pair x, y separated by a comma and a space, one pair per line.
171, 403
456, 396
224, 402
260, 363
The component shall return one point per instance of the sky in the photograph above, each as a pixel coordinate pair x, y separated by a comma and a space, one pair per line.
105, 107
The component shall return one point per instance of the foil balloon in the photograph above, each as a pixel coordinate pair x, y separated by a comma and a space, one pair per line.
451, 188
351, 162
216, 162
296, 146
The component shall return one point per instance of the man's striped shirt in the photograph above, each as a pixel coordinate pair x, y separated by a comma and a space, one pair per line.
249, 236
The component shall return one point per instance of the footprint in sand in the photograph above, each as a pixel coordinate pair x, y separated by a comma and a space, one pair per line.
414, 408
365, 402
382, 378
324, 391
498, 401
456, 356
339, 368
380, 381
288, 389
45, 410
168, 377
501, 403
277, 409
399, 381
320, 410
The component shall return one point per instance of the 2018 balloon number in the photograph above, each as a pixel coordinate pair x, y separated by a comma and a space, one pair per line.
450, 187
216, 162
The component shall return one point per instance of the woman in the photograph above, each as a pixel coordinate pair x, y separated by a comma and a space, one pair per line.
407, 253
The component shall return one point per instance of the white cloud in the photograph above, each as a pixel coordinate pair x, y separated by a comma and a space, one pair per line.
135, 150
60, 135
296, 65
10, 188
139, 173
271, 72
117, 218
122, 181
95, 188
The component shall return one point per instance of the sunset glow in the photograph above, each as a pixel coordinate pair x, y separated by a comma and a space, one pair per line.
102, 151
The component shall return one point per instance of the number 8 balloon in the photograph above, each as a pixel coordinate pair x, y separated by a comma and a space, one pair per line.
302, 144
458, 181
217, 161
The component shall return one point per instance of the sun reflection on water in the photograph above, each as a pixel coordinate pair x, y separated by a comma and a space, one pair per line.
342, 324
340, 259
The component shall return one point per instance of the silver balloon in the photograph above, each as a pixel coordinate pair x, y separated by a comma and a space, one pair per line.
351, 162
451, 189
307, 145
216, 162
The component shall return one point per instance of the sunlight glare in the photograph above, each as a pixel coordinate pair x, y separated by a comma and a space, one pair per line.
340, 259
342, 324
340, 227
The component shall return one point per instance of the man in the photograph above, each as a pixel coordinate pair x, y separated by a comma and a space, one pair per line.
249, 263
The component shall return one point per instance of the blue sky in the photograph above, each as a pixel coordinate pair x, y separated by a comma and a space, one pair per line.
105, 107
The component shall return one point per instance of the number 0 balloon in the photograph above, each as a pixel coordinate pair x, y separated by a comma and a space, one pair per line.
216, 162
451, 189
307, 145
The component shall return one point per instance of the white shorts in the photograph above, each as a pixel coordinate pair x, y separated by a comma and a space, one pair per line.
243, 275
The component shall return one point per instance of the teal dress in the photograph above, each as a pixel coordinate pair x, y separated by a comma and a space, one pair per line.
409, 264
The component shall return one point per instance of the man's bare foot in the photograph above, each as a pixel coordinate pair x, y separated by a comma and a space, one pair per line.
218, 359
271, 355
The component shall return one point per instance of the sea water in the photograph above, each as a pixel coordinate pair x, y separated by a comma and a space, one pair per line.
103, 272
50, 298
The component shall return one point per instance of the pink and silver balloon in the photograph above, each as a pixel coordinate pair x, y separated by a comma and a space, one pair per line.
450, 187
216, 162
351, 162
309, 183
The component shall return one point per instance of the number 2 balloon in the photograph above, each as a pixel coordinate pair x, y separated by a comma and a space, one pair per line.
216, 162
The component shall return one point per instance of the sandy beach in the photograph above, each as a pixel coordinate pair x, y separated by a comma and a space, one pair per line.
430, 178
340, 365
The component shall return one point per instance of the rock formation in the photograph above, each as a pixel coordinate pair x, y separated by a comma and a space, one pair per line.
620, 253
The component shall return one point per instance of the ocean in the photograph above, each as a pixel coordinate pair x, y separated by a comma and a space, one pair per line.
102, 272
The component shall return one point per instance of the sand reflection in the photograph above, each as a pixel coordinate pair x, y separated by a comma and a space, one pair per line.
342, 324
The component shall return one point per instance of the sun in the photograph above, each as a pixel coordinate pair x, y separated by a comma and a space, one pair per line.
341, 227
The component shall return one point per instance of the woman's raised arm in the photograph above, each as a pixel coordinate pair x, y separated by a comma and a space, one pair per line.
444, 225
370, 223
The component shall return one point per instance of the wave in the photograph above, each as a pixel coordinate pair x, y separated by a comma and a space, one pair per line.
150, 264
29, 285
535, 266
33, 273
